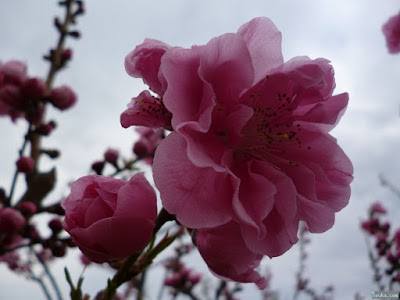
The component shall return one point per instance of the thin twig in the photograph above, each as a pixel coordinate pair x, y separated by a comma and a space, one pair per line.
42, 285
21, 153
47, 271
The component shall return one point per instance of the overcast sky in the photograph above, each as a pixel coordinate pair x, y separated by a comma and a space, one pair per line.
346, 32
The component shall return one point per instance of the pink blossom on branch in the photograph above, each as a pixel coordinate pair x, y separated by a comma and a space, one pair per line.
251, 148
110, 218
391, 30
63, 97
148, 143
146, 109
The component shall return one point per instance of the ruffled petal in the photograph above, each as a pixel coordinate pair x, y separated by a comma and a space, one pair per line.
199, 197
227, 255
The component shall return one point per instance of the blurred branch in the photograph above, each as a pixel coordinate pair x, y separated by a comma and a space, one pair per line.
47, 271
389, 185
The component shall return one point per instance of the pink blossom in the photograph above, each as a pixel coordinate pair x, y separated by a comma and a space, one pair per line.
110, 218
11, 220
63, 97
250, 152
25, 164
252, 146
391, 30
227, 254
147, 110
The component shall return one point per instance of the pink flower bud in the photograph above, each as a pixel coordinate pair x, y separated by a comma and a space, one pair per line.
14, 72
378, 208
11, 220
63, 97
27, 209
34, 88
97, 204
44, 129
111, 155
85, 260
58, 249
25, 164
174, 280
55, 226
66, 54
98, 166
194, 278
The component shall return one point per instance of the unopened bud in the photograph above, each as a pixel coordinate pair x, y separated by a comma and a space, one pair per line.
66, 54
25, 164
11, 220
44, 129
63, 97
55, 226
75, 34
98, 166
51, 153
111, 155
34, 88
27, 209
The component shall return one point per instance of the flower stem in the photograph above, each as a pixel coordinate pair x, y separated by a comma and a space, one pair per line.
47, 271
21, 152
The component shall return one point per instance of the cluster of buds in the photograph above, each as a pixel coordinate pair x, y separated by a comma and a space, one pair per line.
23, 96
180, 278
20, 95
386, 245
17, 231
148, 142
110, 157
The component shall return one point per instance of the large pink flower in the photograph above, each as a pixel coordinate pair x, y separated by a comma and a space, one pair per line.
251, 145
391, 30
110, 218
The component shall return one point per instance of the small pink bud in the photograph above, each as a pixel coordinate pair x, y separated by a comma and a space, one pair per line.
27, 209
85, 260
111, 155
58, 249
56, 226
66, 54
44, 129
34, 88
11, 220
140, 149
63, 97
14, 72
378, 208
98, 166
25, 164
194, 278
174, 280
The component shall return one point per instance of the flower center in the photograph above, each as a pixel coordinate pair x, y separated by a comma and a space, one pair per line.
272, 129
